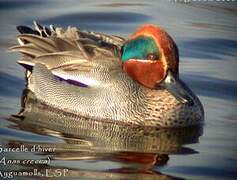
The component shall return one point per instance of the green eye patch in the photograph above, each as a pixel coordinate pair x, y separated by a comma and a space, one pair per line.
139, 48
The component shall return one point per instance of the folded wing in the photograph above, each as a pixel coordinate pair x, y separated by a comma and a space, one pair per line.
78, 57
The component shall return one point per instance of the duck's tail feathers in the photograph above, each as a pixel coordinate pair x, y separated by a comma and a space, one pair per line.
39, 30
41, 41
29, 50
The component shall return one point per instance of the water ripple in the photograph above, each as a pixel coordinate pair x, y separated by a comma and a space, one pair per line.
16, 4
212, 87
115, 5
208, 48
11, 86
98, 20
205, 171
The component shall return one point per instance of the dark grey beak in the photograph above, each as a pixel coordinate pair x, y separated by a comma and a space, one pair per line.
178, 88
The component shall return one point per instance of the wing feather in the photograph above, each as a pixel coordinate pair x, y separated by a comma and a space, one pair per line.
30, 50
44, 43
55, 60
73, 55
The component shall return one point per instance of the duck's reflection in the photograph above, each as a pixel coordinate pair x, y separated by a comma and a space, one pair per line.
135, 149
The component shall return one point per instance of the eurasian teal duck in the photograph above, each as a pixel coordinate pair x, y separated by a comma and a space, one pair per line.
108, 78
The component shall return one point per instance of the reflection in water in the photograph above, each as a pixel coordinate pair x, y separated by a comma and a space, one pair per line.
134, 150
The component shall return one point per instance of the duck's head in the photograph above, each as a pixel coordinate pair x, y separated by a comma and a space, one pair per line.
150, 56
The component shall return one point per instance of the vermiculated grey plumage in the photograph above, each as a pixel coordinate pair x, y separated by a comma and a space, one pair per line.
93, 59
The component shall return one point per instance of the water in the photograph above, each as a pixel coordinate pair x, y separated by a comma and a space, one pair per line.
205, 33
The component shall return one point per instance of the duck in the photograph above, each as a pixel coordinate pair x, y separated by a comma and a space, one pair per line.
108, 78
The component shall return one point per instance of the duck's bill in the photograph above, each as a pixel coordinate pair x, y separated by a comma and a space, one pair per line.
178, 88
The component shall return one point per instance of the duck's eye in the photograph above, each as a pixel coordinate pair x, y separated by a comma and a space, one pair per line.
152, 56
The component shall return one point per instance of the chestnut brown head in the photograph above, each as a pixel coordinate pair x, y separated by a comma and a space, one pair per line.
150, 56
